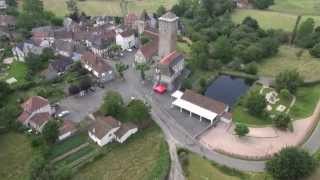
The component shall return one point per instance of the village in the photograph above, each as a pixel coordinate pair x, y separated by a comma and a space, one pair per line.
82, 88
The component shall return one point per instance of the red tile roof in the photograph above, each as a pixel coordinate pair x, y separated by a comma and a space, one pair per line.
126, 33
66, 127
23, 117
170, 58
96, 62
102, 126
40, 118
150, 49
34, 103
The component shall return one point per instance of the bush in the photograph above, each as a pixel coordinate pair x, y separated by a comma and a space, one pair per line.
315, 51
282, 121
74, 89
251, 68
291, 164
256, 103
112, 105
241, 129
289, 79
263, 4
284, 93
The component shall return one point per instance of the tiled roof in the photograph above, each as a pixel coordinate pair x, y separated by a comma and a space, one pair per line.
127, 33
34, 103
40, 118
204, 102
66, 127
150, 49
96, 62
7, 20
170, 58
61, 64
102, 126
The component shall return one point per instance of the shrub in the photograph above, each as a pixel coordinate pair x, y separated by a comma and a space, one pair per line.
289, 79
241, 129
251, 68
282, 121
284, 93
263, 4
291, 164
315, 51
256, 103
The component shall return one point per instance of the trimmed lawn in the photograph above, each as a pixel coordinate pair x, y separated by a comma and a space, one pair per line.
310, 7
18, 70
307, 99
308, 66
271, 19
199, 168
143, 156
107, 7
75, 156
15, 156
267, 19
68, 144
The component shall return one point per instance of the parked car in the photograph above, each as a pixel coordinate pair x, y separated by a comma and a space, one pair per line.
63, 113
129, 50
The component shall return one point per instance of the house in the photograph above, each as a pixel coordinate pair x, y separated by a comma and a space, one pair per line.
43, 36
202, 106
3, 5
103, 130
170, 68
98, 66
126, 39
125, 131
7, 21
58, 67
64, 48
100, 43
22, 50
67, 129
146, 53
130, 20
36, 113
102, 20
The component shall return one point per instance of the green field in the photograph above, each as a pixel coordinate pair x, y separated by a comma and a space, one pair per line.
15, 156
270, 19
143, 156
304, 7
307, 98
107, 7
308, 66
199, 168
18, 70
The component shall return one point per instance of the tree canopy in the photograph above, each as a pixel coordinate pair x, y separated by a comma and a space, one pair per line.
289, 79
50, 131
112, 104
255, 103
137, 111
241, 129
291, 164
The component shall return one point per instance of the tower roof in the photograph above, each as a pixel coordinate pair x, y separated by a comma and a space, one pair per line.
169, 16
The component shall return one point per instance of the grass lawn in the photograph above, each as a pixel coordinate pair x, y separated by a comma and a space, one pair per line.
15, 156
107, 7
308, 66
18, 70
68, 144
143, 156
271, 19
310, 7
75, 156
241, 115
267, 19
307, 98
199, 168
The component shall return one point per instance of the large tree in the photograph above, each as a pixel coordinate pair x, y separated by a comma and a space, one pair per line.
112, 104
304, 35
262, 4
223, 49
315, 51
50, 131
255, 103
289, 79
282, 121
138, 111
291, 164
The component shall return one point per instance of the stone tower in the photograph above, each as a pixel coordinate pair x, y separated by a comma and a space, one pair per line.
168, 27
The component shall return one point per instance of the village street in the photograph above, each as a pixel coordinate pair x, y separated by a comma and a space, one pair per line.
178, 128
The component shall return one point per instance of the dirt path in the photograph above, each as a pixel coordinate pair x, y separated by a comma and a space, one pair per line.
74, 150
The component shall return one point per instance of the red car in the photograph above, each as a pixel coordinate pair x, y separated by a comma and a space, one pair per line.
160, 88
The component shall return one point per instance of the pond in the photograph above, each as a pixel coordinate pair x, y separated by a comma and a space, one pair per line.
227, 89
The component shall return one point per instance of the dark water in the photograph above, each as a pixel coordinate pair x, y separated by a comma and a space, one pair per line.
227, 89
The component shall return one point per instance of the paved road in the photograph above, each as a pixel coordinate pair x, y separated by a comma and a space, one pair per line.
175, 133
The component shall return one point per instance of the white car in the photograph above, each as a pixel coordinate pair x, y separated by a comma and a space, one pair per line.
129, 50
63, 113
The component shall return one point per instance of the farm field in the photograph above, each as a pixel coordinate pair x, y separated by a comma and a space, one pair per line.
15, 156
271, 19
306, 7
107, 7
200, 168
144, 156
308, 66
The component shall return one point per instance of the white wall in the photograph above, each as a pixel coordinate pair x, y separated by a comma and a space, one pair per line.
127, 135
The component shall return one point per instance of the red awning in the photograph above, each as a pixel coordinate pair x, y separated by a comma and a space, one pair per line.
160, 88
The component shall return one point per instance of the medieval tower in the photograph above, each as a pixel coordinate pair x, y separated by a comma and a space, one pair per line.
168, 27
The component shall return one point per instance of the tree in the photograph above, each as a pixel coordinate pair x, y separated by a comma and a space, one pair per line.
241, 129
112, 104
47, 54
251, 68
85, 84
73, 9
252, 53
304, 34
263, 4
249, 21
223, 49
74, 89
203, 85
137, 111
50, 131
284, 93
289, 79
161, 11
120, 67
217, 7
291, 164
5, 90
282, 121
142, 68
315, 51
270, 46
255, 103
